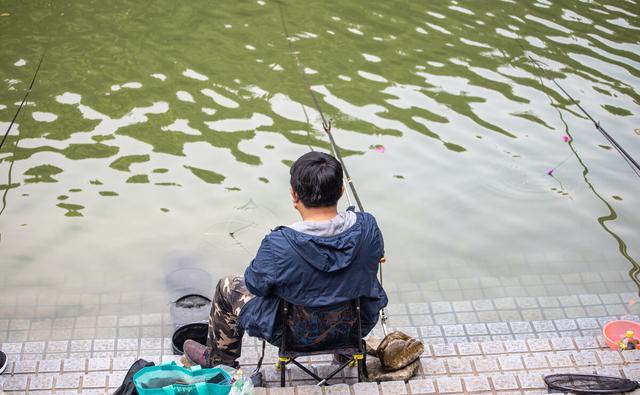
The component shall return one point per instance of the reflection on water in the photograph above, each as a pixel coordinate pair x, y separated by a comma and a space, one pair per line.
150, 127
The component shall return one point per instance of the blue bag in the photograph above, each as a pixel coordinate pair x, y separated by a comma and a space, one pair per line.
171, 379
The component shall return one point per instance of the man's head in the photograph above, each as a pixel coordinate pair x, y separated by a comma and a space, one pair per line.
316, 180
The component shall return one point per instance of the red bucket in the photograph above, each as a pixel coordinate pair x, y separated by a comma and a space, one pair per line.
615, 331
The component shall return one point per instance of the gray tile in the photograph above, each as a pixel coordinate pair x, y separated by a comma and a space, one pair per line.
476, 384
41, 382
419, 308
482, 304
433, 366
510, 315
467, 317
498, 328
504, 303
494, 347
16, 383
431, 331
445, 319
25, 366
453, 330
569, 300
68, 381
470, 348
393, 387
488, 316
587, 323
559, 360
527, 302
74, 364
358, 389
511, 362
422, 320
448, 385
422, 387
335, 389
49, 366
34, 347
585, 358
543, 326
99, 364
566, 324
515, 346
532, 314
441, 307
562, 343
476, 329
521, 327
459, 366
462, 306
531, 381
548, 302
586, 300
553, 313
441, 350
536, 361
504, 382
486, 364
539, 345
608, 357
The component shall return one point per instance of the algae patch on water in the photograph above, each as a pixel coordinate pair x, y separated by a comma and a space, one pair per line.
42, 173
208, 176
622, 112
73, 210
4, 187
124, 163
138, 179
108, 193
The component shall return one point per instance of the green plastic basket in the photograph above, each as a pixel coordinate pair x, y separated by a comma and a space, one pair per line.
150, 380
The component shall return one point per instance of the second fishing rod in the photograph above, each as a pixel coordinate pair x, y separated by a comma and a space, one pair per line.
326, 126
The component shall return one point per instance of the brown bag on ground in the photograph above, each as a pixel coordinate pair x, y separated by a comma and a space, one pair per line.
399, 357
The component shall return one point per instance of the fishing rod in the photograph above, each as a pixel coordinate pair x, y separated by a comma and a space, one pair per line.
326, 125
622, 246
24, 99
625, 155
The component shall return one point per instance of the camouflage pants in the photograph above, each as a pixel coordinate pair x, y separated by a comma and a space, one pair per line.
224, 340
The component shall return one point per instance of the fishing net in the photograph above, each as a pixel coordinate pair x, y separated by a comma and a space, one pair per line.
589, 384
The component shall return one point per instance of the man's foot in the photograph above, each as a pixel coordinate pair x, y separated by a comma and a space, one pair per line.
195, 353
3, 361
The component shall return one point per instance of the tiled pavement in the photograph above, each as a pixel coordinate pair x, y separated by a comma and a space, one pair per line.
466, 352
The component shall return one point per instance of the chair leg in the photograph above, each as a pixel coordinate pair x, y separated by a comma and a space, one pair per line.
283, 373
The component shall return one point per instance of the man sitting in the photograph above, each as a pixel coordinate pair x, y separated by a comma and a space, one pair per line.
326, 259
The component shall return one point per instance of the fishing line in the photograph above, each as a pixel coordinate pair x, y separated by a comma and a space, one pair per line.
24, 99
625, 155
622, 246
326, 125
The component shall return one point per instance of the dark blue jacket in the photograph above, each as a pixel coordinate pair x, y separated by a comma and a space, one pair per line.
314, 271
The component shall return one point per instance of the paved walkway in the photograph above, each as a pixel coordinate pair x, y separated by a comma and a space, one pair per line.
473, 346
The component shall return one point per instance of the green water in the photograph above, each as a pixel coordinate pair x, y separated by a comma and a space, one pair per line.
162, 126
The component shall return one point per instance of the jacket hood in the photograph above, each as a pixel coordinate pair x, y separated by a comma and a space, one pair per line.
327, 253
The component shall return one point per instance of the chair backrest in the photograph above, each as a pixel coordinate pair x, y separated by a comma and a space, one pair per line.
321, 329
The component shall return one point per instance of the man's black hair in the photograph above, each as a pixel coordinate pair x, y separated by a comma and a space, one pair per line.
316, 178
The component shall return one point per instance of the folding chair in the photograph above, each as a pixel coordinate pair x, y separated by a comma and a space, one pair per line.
310, 331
